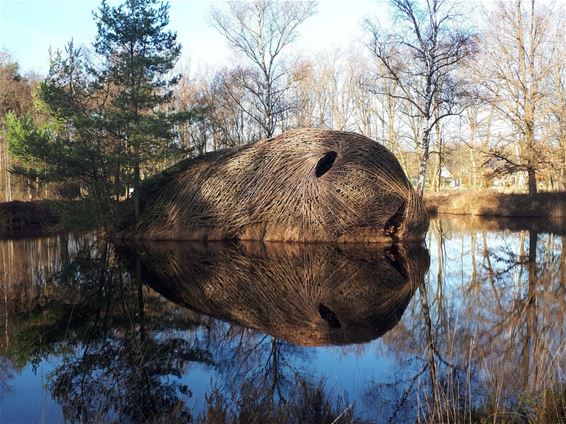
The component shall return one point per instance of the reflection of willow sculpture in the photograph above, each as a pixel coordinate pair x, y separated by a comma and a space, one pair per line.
304, 185
309, 294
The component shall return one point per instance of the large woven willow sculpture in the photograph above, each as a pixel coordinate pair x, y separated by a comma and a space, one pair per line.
315, 294
304, 185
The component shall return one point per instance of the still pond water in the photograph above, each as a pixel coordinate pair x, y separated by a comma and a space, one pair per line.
472, 323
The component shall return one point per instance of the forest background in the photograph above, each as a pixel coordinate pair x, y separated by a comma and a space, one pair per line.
467, 96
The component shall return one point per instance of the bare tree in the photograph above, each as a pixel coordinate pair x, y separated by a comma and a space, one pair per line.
260, 30
326, 91
518, 56
558, 118
421, 56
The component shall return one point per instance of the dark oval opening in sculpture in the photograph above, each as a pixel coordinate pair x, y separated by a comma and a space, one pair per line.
329, 316
325, 163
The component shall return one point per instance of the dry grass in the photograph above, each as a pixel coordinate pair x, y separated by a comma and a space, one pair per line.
304, 185
476, 223
308, 294
491, 203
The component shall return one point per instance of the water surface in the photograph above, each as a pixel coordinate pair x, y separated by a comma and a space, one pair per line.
471, 325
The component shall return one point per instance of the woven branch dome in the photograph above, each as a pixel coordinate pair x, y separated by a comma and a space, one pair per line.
316, 294
304, 185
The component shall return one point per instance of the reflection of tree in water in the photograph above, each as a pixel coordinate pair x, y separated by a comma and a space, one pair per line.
121, 350
6, 374
317, 294
132, 380
104, 328
122, 369
24, 267
261, 381
294, 294
486, 334
306, 404
266, 364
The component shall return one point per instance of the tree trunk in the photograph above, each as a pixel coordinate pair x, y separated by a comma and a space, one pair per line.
438, 138
136, 191
530, 346
141, 302
532, 181
117, 183
423, 163
439, 179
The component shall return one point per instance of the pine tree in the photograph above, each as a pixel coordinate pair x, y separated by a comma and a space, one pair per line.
139, 57
105, 122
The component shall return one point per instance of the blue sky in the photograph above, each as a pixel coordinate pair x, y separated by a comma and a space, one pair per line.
28, 28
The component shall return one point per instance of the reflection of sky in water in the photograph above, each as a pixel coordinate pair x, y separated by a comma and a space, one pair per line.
373, 374
347, 372
28, 400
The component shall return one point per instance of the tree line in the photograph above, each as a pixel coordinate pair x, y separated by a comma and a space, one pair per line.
475, 105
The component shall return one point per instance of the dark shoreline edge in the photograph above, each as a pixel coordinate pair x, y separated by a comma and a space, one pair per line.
22, 219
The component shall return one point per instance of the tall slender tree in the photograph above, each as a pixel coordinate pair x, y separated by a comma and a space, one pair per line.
421, 57
139, 55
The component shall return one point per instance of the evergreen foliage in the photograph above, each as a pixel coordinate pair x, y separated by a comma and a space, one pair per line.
105, 124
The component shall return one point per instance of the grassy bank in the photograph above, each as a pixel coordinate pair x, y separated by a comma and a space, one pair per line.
490, 203
474, 223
